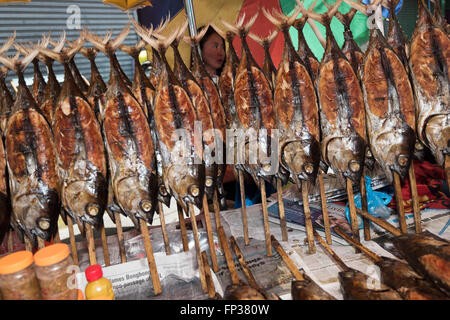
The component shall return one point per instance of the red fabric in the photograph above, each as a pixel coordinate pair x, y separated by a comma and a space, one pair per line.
430, 179
262, 28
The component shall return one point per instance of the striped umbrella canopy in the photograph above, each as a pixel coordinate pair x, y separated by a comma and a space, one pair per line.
207, 12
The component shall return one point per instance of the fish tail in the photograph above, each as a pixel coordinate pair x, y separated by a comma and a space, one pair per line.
8, 43
264, 41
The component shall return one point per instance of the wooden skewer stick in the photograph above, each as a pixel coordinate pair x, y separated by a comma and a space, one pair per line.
197, 247
380, 222
415, 199
90, 243
265, 216
105, 245
323, 200
243, 207
163, 227
248, 274
184, 238
331, 252
399, 203
365, 207
73, 243
10, 241
41, 243
212, 246
28, 245
209, 281
307, 214
358, 245
123, 257
352, 209
216, 209
289, 263
284, 234
228, 256
157, 289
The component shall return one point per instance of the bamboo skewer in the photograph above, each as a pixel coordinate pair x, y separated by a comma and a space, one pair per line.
380, 222
323, 199
216, 209
209, 281
352, 209
105, 245
150, 258
307, 214
291, 266
265, 216
10, 241
399, 203
163, 228
212, 249
358, 245
73, 243
197, 247
228, 256
415, 199
28, 245
365, 207
243, 207
284, 234
248, 274
123, 256
41, 243
90, 243
184, 238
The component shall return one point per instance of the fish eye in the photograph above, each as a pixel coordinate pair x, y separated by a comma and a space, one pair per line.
266, 167
209, 181
368, 153
309, 168
92, 210
44, 224
402, 160
354, 166
145, 205
418, 146
194, 190
162, 191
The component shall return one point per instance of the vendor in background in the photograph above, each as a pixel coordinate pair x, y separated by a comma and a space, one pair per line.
212, 48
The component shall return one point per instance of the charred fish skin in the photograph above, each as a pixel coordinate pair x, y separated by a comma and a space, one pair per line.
429, 63
6, 100
428, 255
307, 289
390, 107
242, 292
304, 51
355, 286
342, 114
411, 286
51, 93
5, 206
38, 88
297, 112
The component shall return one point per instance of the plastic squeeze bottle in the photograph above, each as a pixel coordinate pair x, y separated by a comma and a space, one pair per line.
98, 287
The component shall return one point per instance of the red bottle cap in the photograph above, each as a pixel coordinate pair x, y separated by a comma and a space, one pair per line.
93, 272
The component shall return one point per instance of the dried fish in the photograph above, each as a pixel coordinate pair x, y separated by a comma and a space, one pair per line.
80, 149
6, 100
429, 255
174, 114
38, 87
30, 152
242, 292
341, 102
307, 289
217, 114
390, 107
296, 108
429, 63
128, 142
5, 206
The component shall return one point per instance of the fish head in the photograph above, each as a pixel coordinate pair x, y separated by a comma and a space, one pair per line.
86, 200
437, 133
346, 156
302, 157
137, 195
242, 292
397, 151
186, 182
211, 175
37, 213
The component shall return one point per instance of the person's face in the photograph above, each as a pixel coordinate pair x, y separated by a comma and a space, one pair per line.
213, 53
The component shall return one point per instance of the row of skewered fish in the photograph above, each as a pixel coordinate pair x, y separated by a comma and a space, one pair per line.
87, 148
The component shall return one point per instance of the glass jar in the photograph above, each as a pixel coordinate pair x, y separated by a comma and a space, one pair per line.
51, 264
18, 279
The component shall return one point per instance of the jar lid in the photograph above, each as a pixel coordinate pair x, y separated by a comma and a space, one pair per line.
15, 262
93, 272
51, 254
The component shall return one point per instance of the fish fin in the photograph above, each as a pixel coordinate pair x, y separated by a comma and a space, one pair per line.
8, 44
